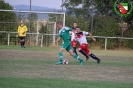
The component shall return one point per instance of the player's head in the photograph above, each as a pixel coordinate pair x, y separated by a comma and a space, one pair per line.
78, 29
21, 22
59, 24
75, 24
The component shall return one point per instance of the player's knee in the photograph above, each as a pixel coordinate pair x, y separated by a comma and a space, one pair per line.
79, 49
89, 53
74, 55
61, 49
71, 54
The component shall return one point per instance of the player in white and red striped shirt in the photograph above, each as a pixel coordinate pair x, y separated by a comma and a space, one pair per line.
83, 48
73, 32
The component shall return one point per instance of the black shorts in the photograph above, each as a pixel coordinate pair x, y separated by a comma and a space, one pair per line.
22, 38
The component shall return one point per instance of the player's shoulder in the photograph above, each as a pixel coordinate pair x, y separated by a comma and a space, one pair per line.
85, 33
67, 28
22, 25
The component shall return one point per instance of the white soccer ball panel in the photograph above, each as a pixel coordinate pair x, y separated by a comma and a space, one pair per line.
65, 61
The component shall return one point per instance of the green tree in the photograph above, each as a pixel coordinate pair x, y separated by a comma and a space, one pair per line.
32, 18
55, 17
6, 17
43, 29
105, 23
77, 7
7, 20
82, 22
107, 26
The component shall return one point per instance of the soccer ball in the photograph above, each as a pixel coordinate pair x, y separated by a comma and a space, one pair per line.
65, 61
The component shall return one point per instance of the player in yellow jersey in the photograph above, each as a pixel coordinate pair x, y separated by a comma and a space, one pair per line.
22, 29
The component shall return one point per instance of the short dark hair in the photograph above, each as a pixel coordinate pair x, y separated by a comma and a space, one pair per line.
77, 27
75, 22
59, 22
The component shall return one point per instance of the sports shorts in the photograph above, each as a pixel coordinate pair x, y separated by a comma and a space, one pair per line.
22, 38
67, 46
73, 43
84, 47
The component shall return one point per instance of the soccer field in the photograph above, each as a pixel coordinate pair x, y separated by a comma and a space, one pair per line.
34, 67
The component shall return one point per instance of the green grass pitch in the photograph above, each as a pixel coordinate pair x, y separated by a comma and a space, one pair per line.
34, 67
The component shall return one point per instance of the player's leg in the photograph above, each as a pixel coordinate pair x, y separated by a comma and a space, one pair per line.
60, 56
74, 50
69, 49
81, 49
94, 57
74, 47
21, 41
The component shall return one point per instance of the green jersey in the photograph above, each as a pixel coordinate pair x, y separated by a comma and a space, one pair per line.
64, 34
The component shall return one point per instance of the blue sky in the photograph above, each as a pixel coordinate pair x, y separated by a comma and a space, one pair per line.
44, 3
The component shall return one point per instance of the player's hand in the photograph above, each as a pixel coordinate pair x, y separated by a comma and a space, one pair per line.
75, 40
94, 39
16, 35
56, 42
23, 33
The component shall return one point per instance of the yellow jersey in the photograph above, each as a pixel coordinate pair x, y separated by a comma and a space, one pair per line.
22, 30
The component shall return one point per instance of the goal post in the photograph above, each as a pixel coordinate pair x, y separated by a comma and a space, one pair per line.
39, 12
36, 21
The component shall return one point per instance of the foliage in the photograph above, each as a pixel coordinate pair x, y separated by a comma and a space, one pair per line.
105, 26
105, 23
43, 29
32, 18
7, 20
76, 7
6, 17
82, 22
55, 17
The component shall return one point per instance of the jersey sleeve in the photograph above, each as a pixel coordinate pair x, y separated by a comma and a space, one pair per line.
68, 29
18, 29
26, 29
70, 32
85, 33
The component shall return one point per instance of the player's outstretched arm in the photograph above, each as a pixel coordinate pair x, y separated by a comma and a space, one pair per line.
92, 37
57, 40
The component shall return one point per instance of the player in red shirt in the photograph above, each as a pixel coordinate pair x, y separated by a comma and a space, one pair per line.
83, 48
74, 43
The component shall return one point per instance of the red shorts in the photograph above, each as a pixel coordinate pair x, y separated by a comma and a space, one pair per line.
84, 47
73, 43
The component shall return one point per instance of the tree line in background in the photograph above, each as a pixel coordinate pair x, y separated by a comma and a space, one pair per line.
105, 21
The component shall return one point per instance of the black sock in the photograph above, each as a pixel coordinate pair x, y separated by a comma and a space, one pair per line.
23, 43
84, 53
94, 57
74, 50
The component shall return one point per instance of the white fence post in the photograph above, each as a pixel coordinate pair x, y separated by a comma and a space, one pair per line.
8, 38
54, 32
42, 41
37, 35
106, 43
